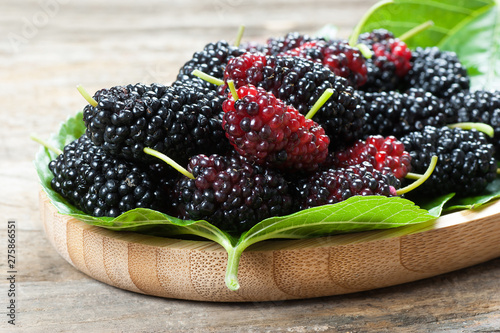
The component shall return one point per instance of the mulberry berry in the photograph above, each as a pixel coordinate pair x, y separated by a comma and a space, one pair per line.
391, 60
479, 106
232, 193
101, 185
300, 83
396, 114
438, 72
466, 162
211, 60
342, 59
267, 131
290, 41
336, 185
380, 152
179, 121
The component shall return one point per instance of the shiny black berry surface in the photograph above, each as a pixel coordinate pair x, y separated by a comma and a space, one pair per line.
466, 162
232, 193
180, 120
102, 185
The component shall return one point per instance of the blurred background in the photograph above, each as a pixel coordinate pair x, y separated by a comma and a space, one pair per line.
47, 47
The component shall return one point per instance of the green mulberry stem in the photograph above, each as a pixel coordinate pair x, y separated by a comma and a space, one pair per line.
232, 88
319, 103
208, 78
46, 144
420, 180
365, 50
169, 161
353, 40
481, 127
86, 95
233, 262
241, 30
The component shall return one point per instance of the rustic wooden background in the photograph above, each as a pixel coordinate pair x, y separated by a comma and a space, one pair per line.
47, 47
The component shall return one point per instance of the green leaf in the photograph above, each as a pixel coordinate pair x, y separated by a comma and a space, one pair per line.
140, 219
68, 131
469, 28
492, 192
477, 45
448, 16
357, 213
354, 214
434, 206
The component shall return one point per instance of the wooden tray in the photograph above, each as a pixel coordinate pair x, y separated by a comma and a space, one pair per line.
276, 270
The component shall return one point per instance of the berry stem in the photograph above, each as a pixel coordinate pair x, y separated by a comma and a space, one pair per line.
319, 103
353, 40
233, 261
365, 50
414, 176
241, 30
169, 161
415, 31
46, 144
232, 88
481, 127
208, 78
86, 95
422, 179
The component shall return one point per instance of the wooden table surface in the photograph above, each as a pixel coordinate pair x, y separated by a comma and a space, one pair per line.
50, 46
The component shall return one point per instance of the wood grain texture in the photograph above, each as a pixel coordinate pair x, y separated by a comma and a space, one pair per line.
100, 44
279, 270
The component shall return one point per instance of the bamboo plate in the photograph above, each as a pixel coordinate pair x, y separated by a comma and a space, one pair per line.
276, 270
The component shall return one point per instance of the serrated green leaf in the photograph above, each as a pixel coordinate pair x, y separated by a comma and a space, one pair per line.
354, 214
139, 219
357, 213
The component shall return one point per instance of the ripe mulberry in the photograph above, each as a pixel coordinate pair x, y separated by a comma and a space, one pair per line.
102, 185
466, 162
342, 59
438, 72
232, 193
300, 83
265, 130
390, 62
479, 106
179, 121
396, 114
211, 60
336, 185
